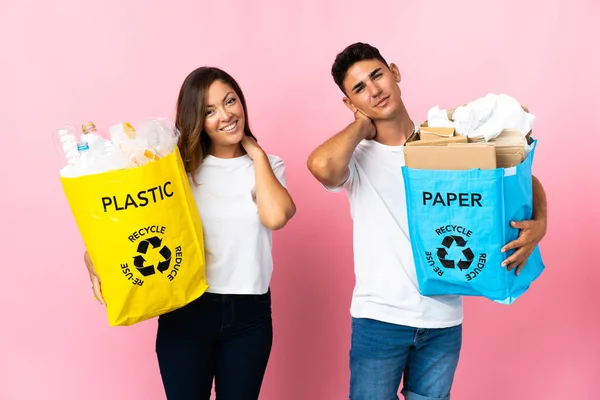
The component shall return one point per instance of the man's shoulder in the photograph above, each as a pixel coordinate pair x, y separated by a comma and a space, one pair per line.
363, 148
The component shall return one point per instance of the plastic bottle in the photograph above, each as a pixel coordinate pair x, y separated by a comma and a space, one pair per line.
68, 144
161, 135
133, 146
114, 158
90, 135
85, 162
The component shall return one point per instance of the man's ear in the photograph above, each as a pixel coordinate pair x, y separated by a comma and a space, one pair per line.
395, 72
350, 105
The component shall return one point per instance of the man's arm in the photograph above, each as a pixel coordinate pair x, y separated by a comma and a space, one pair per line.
329, 162
539, 201
532, 231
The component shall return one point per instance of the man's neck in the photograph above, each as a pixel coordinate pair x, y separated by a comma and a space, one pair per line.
395, 131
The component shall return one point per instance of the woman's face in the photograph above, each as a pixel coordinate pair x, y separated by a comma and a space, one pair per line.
224, 119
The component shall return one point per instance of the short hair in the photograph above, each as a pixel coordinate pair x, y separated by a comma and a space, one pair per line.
349, 56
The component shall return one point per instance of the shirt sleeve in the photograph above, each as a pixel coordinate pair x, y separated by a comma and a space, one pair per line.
278, 167
347, 184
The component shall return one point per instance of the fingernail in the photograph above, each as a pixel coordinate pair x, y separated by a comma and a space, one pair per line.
502, 250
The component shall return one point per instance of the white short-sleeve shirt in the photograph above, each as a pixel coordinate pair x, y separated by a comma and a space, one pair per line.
386, 286
237, 245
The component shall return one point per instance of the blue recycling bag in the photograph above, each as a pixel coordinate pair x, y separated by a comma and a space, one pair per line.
459, 221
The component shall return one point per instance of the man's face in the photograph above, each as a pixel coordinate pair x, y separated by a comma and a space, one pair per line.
372, 88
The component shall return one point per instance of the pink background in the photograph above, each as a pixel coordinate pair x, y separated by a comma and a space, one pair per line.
69, 61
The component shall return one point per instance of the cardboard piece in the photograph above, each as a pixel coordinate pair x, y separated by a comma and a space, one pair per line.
428, 133
438, 149
439, 141
458, 156
510, 148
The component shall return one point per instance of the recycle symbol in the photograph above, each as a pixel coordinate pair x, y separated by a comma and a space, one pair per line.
442, 253
139, 260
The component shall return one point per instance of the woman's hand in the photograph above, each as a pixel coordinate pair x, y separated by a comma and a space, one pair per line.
96, 287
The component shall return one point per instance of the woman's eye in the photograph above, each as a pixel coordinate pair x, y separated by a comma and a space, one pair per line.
231, 101
209, 112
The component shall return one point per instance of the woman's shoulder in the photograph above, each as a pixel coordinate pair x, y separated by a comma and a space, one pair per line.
275, 160
274, 157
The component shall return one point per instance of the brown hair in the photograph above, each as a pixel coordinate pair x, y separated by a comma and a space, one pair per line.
194, 142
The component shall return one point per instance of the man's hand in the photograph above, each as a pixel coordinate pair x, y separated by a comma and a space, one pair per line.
366, 124
531, 232
329, 162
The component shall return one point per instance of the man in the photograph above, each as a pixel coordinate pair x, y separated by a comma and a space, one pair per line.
395, 331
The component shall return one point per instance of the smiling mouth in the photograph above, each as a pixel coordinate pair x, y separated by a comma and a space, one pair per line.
230, 127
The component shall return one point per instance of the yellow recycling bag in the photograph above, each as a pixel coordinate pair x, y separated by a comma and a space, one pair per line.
143, 233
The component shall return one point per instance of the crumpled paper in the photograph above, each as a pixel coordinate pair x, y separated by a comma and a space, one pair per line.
485, 117
437, 118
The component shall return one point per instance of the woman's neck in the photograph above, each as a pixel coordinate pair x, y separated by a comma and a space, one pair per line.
232, 151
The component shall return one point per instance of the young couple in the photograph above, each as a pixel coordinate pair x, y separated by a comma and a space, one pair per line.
241, 194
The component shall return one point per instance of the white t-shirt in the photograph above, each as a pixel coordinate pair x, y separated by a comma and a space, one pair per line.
386, 283
237, 245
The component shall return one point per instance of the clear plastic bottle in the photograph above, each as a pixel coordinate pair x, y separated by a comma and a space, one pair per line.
67, 142
114, 158
132, 146
161, 135
90, 135
85, 162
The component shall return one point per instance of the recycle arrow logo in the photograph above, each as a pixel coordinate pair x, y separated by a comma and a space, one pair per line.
442, 253
139, 260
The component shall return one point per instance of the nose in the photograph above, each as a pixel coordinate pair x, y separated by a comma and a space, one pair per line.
374, 89
224, 115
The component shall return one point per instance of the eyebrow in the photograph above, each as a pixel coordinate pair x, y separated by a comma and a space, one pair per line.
228, 93
371, 75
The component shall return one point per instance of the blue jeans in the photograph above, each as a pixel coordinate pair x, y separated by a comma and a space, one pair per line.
382, 353
227, 338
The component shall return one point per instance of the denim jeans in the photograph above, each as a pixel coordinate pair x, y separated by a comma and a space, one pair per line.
382, 353
227, 338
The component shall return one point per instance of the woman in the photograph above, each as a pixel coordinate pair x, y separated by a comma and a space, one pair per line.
241, 196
